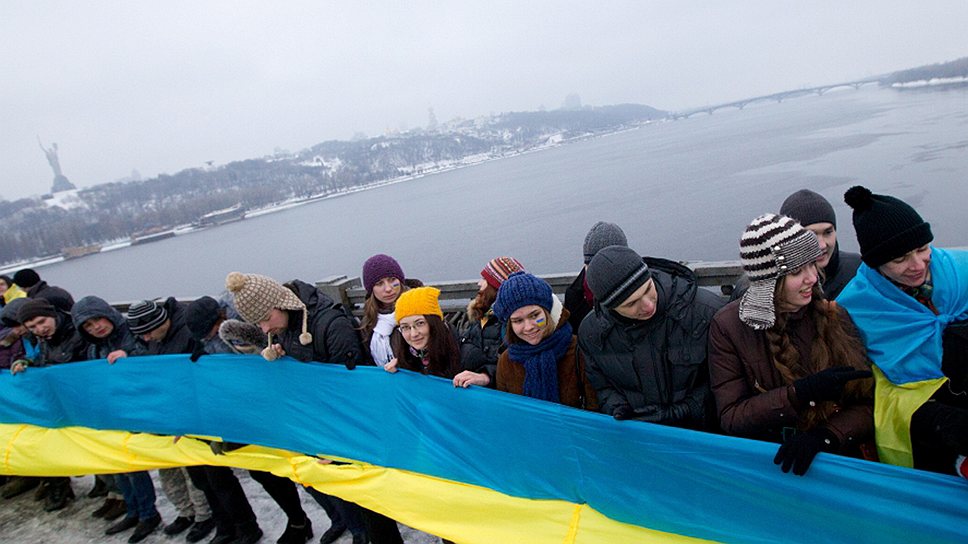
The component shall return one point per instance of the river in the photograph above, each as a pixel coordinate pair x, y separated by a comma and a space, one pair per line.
683, 190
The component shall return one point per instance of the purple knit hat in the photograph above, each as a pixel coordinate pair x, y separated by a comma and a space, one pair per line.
378, 267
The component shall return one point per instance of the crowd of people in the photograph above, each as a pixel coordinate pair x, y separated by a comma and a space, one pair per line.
819, 350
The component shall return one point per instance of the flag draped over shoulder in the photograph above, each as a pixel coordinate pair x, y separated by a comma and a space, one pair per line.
903, 339
470, 465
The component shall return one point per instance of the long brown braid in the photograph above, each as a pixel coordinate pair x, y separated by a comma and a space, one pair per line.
835, 343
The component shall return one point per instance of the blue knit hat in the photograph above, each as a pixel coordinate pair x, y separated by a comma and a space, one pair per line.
519, 290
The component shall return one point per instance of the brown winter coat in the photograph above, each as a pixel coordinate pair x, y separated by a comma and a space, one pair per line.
572, 383
752, 398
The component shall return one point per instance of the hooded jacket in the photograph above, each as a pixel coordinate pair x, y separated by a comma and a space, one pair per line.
660, 363
64, 346
335, 338
60, 298
121, 338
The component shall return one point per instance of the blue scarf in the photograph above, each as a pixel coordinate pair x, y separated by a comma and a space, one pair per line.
541, 363
903, 336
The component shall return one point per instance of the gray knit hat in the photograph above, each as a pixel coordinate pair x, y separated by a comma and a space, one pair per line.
772, 247
256, 296
615, 273
600, 236
808, 208
145, 316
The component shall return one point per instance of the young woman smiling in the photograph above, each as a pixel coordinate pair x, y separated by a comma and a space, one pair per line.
423, 342
542, 360
785, 364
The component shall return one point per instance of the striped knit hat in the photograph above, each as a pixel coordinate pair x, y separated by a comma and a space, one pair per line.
497, 270
146, 316
772, 247
615, 273
256, 296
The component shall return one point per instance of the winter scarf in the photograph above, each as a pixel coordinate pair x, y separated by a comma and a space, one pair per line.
380, 341
541, 363
903, 339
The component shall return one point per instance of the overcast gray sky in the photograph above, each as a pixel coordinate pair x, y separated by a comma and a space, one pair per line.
162, 86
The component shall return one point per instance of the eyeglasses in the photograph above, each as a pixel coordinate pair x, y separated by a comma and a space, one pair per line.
418, 324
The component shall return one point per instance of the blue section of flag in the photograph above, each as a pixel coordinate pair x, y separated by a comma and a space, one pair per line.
671, 480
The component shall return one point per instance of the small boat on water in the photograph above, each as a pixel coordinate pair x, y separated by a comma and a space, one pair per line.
151, 235
223, 216
76, 252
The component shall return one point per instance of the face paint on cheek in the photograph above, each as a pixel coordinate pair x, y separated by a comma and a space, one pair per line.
395, 285
540, 322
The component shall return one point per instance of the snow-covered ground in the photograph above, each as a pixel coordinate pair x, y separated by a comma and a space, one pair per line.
24, 521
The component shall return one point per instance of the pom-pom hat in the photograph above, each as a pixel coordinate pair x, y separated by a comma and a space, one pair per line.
256, 296
772, 247
497, 270
886, 227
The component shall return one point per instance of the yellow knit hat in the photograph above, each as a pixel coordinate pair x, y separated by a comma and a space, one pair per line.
419, 301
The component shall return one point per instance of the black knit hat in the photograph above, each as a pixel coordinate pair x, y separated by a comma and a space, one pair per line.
26, 278
146, 316
35, 307
615, 273
201, 315
886, 227
808, 208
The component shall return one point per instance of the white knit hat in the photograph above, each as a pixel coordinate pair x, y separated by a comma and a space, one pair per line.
772, 247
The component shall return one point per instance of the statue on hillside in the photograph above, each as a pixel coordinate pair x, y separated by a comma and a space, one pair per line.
61, 183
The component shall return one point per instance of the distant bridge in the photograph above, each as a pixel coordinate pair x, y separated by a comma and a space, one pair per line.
776, 97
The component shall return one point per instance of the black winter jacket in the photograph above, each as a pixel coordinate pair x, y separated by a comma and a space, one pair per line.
480, 347
659, 364
575, 301
179, 338
60, 298
335, 338
65, 346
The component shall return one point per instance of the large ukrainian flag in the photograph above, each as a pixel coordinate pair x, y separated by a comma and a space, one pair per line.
473, 466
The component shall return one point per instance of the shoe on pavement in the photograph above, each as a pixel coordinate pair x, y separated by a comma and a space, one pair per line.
100, 489
332, 534
360, 538
58, 496
121, 526
145, 528
18, 485
200, 530
297, 534
180, 524
118, 509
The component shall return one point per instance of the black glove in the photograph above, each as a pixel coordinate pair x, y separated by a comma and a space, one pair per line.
828, 384
659, 414
944, 423
798, 452
623, 412
197, 353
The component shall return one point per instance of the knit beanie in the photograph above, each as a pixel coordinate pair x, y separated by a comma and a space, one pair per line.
419, 301
256, 296
378, 267
772, 247
600, 236
201, 315
615, 273
497, 270
26, 278
886, 227
8, 315
35, 307
519, 290
146, 316
808, 208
